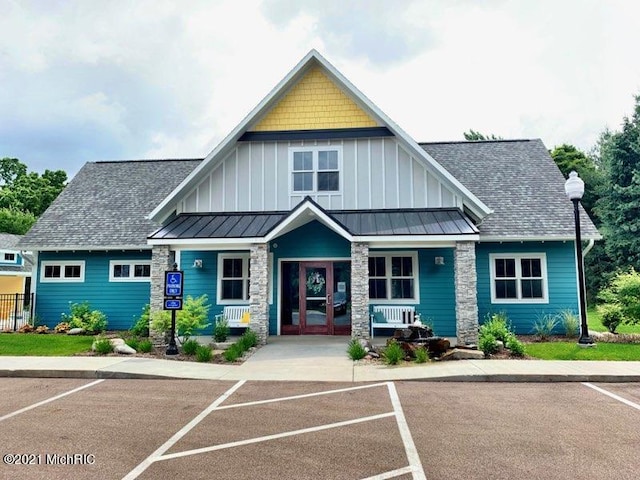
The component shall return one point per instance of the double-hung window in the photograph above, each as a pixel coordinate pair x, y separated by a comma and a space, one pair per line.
67, 271
233, 278
393, 277
129, 271
315, 169
518, 278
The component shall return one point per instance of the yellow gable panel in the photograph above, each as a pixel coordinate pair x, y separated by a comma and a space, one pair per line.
315, 102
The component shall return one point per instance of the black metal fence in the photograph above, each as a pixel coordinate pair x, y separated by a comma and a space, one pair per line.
16, 310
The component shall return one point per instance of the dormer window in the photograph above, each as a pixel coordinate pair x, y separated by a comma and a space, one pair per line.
315, 169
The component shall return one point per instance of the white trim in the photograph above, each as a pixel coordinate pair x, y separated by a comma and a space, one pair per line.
415, 239
508, 239
97, 248
62, 265
309, 209
132, 266
246, 276
4, 253
518, 277
415, 266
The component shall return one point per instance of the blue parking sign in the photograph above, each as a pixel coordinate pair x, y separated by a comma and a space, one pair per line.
173, 304
173, 283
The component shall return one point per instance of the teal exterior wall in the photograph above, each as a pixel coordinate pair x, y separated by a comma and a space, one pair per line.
122, 302
561, 275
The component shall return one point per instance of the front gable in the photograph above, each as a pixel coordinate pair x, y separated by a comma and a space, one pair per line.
315, 108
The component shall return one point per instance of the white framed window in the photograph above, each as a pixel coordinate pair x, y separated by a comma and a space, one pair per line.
67, 271
130, 271
315, 169
8, 257
519, 278
393, 277
233, 278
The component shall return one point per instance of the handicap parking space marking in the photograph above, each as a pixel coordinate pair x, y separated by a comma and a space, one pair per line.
612, 395
49, 400
414, 468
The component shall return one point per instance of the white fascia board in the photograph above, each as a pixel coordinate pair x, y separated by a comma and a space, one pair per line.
424, 241
209, 243
15, 274
569, 238
92, 248
312, 210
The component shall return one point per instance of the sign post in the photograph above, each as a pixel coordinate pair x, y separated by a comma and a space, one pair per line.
173, 286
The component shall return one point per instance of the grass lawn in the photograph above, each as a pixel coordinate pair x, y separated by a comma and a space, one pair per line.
571, 351
594, 323
23, 344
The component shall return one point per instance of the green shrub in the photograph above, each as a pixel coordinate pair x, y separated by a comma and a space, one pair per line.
496, 325
203, 353
141, 326
190, 347
393, 353
488, 343
81, 316
624, 290
192, 317
355, 350
233, 353
103, 346
515, 346
611, 315
248, 339
221, 330
145, 346
133, 342
570, 323
421, 355
544, 325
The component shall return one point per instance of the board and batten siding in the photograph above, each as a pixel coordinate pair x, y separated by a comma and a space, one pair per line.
561, 277
122, 302
375, 173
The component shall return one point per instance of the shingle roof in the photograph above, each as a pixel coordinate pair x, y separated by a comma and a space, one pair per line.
105, 204
519, 180
357, 222
9, 241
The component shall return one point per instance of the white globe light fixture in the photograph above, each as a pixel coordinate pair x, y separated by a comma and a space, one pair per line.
574, 188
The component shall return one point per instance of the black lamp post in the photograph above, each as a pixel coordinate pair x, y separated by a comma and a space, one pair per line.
574, 188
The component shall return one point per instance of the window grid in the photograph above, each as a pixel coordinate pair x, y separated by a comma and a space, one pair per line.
129, 271
65, 271
519, 278
233, 278
315, 170
393, 277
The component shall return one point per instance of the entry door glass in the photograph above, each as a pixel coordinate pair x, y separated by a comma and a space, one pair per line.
315, 279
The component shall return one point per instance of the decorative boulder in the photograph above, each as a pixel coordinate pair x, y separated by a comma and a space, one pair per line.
124, 349
76, 331
463, 354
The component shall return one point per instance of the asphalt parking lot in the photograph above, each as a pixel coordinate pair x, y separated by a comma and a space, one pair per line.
158, 429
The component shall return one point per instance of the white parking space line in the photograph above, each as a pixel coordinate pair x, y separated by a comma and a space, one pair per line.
275, 436
391, 474
405, 433
181, 433
49, 400
613, 395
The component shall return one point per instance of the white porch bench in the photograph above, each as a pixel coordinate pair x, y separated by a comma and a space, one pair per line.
234, 316
396, 316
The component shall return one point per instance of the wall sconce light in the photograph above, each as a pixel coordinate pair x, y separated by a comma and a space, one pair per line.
197, 263
439, 260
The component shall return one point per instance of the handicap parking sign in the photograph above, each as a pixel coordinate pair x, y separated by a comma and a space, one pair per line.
173, 283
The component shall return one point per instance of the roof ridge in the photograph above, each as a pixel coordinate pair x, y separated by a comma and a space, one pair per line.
512, 140
150, 160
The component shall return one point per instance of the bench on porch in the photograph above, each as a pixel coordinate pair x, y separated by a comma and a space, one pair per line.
394, 316
237, 316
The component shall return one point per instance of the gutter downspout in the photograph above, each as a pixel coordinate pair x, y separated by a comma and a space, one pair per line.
592, 242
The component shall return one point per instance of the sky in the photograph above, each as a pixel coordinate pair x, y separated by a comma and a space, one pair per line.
91, 80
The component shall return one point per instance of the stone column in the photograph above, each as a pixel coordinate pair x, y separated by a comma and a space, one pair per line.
359, 290
259, 291
161, 260
466, 293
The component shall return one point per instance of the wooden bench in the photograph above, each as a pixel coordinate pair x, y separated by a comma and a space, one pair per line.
396, 316
234, 316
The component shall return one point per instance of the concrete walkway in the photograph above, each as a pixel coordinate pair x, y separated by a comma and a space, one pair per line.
320, 358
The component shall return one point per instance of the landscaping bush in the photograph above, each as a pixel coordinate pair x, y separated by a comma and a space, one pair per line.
497, 326
570, 323
103, 346
544, 325
190, 347
221, 330
421, 355
141, 326
248, 340
192, 317
515, 346
393, 353
133, 342
488, 343
611, 315
145, 346
355, 350
233, 353
204, 353
624, 291
81, 316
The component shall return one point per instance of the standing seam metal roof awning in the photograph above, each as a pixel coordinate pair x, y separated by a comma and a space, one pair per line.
406, 222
